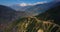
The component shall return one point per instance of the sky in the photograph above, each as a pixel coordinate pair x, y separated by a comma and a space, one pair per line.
11, 2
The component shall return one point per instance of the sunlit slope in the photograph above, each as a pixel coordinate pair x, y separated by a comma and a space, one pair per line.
32, 24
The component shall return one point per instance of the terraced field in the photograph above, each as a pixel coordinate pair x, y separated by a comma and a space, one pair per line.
32, 24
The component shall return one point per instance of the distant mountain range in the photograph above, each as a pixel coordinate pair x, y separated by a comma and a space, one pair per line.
19, 8
35, 9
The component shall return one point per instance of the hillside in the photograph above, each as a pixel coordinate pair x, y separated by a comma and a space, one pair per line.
52, 14
6, 14
33, 9
21, 21
31, 24
9, 15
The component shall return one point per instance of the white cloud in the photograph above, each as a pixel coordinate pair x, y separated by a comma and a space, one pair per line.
23, 4
41, 2
27, 4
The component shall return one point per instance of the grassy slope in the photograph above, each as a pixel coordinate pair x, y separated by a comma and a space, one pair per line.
31, 24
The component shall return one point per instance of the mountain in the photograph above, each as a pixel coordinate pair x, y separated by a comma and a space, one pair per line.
7, 14
52, 14
31, 24
34, 9
40, 8
19, 8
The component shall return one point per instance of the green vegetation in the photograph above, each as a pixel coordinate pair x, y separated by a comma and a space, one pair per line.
32, 24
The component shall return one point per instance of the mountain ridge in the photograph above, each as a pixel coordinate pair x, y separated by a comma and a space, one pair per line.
52, 14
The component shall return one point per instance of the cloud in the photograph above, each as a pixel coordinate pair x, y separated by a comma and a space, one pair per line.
27, 4
23, 4
41, 2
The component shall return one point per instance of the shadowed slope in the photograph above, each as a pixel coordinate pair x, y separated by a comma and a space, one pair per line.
52, 14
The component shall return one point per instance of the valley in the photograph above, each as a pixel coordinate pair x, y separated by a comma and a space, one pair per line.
23, 17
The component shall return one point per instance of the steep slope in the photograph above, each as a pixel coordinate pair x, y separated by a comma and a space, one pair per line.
52, 14
31, 24
6, 14
40, 8
34, 9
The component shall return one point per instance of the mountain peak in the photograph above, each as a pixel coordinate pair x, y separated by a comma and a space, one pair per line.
31, 4
23, 4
